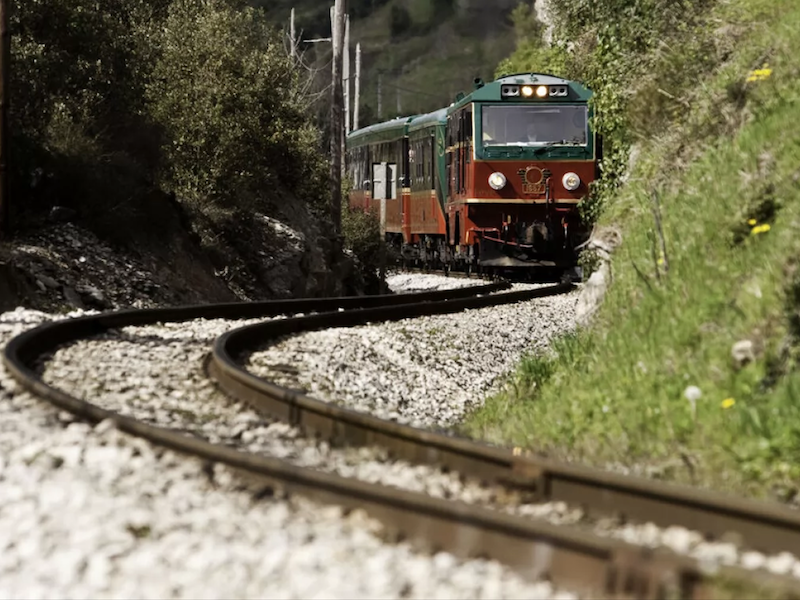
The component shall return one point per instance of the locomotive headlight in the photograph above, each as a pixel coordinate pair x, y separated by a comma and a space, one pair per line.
497, 181
571, 181
541, 91
527, 91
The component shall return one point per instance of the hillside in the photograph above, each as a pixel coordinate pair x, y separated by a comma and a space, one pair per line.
422, 52
688, 371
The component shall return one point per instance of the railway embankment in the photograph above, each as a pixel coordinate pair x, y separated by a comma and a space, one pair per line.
687, 371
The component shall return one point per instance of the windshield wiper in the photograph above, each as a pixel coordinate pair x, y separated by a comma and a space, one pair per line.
541, 149
548, 145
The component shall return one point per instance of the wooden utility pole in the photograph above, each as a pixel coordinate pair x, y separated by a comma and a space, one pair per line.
337, 122
380, 97
293, 39
357, 98
5, 56
346, 74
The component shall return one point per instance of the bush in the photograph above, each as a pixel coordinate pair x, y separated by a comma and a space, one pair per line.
232, 108
113, 105
78, 100
362, 236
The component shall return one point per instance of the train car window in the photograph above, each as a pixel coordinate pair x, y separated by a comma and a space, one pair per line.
418, 157
468, 134
457, 152
432, 164
526, 125
449, 155
405, 154
462, 151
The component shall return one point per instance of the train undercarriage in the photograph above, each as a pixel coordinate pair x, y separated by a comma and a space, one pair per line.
491, 254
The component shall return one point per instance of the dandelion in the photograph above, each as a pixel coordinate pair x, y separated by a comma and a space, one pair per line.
727, 403
693, 393
760, 229
760, 74
752, 222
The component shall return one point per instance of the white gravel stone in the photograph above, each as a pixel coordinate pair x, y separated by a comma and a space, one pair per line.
412, 282
91, 512
428, 372
88, 512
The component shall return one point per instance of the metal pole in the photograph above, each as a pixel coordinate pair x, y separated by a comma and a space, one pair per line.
357, 98
337, 124
293, 39
5, 56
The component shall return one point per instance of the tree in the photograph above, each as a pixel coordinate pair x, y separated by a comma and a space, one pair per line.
399, 21
229, 101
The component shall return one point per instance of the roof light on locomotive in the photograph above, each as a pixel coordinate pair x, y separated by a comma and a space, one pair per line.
534, 92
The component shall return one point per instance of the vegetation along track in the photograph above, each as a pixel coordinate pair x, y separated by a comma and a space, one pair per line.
568, 557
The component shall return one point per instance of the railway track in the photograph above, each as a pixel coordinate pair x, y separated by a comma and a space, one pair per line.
568, 557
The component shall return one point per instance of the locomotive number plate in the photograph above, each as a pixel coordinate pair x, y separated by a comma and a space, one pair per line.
533, 188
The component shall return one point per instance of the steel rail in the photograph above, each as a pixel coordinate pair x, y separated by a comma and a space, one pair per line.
585, 563
765, 527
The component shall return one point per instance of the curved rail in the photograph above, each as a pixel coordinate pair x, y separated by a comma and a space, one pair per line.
583, 562
766, 527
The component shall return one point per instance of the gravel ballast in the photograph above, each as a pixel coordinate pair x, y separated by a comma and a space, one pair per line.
426, 372
90, 512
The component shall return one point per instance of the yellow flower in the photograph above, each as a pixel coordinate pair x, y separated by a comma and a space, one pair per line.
727, 403
760, 74
760, 229
751, 222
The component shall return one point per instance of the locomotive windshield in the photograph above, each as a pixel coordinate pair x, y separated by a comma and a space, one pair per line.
526, 125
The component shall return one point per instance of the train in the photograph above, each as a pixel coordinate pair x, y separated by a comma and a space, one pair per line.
493, 182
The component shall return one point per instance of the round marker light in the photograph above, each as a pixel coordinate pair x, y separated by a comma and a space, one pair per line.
571, 181
541, 91
497, 181
527, 91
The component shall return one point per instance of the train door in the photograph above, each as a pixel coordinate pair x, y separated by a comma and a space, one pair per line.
384, 187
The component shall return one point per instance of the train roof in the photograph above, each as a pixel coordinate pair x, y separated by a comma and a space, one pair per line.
437, 117
380, 132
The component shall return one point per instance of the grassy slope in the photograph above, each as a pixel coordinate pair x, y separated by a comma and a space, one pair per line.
614, 394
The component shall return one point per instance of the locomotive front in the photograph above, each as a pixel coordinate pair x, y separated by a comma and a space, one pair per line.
520, 158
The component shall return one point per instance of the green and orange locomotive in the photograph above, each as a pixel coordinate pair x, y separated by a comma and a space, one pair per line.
492, 181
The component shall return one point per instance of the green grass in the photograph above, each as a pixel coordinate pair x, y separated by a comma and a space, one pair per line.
614, 393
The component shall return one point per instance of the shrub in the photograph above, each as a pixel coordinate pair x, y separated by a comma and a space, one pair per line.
77, 116
362, 236
232, 109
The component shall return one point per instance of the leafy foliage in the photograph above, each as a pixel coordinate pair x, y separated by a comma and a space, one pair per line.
231, 106
399, 20
362, 236
114, 104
